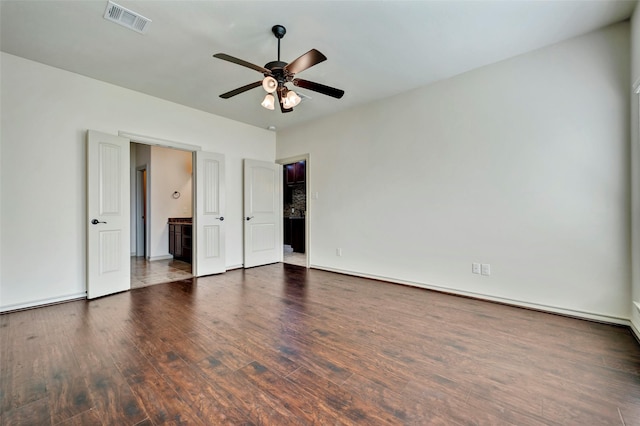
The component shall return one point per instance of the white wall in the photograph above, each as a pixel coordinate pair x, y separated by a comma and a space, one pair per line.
522, 164
45, 115
170, 171
635, 160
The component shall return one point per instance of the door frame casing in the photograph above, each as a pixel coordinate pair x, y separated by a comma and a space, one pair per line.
165, 143
150, 140
307, 186
142, 187
635, 209
196, 270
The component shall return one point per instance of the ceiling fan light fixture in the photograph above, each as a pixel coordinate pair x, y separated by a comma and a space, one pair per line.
269, 84
286, 102
293, 98
269, 102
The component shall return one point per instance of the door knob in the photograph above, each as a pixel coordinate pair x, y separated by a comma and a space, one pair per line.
221, 218
96, 221
250, 217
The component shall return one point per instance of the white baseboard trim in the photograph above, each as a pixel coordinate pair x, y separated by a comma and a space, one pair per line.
519, 303
163, 257
42, 302
635, 331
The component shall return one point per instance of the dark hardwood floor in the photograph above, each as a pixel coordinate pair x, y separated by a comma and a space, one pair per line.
282, 345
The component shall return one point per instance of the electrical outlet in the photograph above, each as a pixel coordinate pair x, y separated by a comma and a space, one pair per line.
486, 269
475, 268
338, 252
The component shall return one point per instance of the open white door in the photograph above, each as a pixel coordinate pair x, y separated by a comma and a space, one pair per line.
262, 213
209, 218
108, 227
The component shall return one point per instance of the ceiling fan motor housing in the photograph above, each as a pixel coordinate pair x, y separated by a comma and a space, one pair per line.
275, 65
277, 71
279, 31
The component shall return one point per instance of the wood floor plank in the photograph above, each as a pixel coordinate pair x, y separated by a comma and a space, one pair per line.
163, 405
630, 414
32, 413
347, 405
25, 381
108, 389
66, 386
87, 418
569, 410
210, 403
159, 400
68, 395
284, 345
259, 406
308, 410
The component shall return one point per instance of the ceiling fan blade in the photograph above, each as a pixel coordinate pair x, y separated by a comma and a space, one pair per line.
241, 89
317, 87
309, 59
229, 58
282, 108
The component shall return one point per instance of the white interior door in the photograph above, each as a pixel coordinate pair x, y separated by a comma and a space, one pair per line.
262, 213
209, 218
108, 205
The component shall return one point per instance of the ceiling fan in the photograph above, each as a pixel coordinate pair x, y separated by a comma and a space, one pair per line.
277, 73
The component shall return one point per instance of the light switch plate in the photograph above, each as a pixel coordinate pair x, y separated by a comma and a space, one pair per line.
486, 269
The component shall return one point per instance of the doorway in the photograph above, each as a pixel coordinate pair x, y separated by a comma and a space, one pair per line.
295, 209
111, 188
159, 203
141, 212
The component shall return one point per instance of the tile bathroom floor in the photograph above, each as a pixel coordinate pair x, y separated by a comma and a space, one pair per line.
292, 258
145, 273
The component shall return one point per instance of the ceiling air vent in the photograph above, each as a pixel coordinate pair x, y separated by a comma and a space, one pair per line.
126, 18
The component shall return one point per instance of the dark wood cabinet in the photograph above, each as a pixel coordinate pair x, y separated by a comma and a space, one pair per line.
186, 242
294, 227
295, 173
287, 189
180, 245
297, 235
172, 239
287, 231
294, 233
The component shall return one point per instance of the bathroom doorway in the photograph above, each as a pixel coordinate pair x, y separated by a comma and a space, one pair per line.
157, 202
141, 212
295, 209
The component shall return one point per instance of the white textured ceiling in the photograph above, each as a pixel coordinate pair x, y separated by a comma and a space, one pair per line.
375, 49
